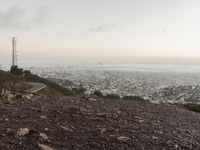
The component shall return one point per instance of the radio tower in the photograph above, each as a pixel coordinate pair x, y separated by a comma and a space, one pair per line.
14, 52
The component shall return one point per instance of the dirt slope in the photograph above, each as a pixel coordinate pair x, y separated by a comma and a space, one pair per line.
11, 82
67, 123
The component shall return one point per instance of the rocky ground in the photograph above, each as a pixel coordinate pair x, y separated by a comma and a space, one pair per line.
76, 123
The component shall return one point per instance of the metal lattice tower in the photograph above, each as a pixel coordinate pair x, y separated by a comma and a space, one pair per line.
14, 51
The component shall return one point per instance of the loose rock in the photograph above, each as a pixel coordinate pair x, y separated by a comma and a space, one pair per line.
45, 147
22, 131
103, 131
123, 139
44, 136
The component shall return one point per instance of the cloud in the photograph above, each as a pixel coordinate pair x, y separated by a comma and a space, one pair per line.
102, 28
12, 18
18, 18
164, 32
41, 15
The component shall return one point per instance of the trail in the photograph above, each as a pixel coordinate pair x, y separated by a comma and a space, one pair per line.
35, 87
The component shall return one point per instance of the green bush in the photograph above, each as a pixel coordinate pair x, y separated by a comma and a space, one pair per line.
80, 90
193, 107
112, 96
98, 93
16, 71
27, 72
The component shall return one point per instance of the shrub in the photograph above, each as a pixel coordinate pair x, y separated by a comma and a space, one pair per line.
16, 71
98, 93
27, 72
80, 90
192, 107
112, 96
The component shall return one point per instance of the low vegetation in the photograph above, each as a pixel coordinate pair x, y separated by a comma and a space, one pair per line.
16, 71
8, 77
62, 82
112, 96
50, 85
117, 96
133, 98
190, 106
11, 82
98, 93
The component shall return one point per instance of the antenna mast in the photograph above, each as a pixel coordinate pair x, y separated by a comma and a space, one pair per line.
14, 52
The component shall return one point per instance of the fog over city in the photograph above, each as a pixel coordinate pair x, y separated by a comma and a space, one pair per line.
158, 83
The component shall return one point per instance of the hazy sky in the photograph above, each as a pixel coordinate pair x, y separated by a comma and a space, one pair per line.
92, 31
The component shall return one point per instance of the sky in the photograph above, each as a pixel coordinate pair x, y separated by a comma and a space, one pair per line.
66, 32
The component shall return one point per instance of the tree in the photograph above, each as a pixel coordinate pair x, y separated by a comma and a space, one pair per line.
16, 71
27, 72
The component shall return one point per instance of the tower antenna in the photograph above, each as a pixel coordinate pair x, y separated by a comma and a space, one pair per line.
14, 51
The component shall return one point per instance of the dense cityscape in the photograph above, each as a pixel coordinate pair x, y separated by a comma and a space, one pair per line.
150, 85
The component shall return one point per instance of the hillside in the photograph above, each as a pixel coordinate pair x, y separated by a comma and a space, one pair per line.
11, 82
62, 123
14, 83
52, 88
6, 77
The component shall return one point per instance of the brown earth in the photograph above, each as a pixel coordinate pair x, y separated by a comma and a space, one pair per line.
69, 123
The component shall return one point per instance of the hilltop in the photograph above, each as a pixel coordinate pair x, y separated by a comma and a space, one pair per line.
61, 123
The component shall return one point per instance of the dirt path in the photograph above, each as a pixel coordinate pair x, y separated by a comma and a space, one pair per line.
67, 123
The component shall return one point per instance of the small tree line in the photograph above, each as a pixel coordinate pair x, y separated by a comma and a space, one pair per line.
117, 96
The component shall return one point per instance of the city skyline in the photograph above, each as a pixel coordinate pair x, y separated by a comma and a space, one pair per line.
130, 31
